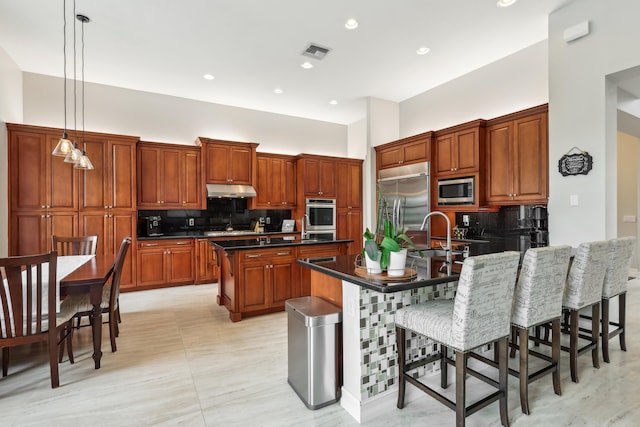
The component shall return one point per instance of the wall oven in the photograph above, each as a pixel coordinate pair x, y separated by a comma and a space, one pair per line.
321, 235
456, 191
321, 214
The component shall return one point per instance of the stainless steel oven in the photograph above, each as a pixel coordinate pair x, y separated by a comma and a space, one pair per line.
321, 235
456, 191
321, 214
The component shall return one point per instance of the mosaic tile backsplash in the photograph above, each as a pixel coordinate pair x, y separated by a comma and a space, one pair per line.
378, 336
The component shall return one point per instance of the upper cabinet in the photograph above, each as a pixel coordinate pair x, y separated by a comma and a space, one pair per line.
276, 181
228, 162
414, 149
459, 150
317, 175
517, 158
349, 221
169, 176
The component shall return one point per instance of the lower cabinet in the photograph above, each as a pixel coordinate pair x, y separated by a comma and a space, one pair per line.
257, 281
316, 251
207, 267
166, 262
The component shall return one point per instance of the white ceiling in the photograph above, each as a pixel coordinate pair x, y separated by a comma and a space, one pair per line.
254, 46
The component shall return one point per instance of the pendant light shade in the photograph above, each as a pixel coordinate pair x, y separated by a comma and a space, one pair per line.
64, 146
74, 155
83, 163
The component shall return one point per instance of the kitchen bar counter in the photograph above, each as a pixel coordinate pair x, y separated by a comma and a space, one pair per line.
222, 235
271, 242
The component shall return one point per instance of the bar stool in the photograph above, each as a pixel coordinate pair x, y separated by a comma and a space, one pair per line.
582, 290
537, 301
615, 285
480, 314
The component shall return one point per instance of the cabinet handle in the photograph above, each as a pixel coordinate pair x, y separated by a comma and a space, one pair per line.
282, 253
253, 255
182, 243
43, 216
43, 207
320, 192
150, 244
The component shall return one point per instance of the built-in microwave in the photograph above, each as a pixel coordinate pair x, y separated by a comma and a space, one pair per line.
456, 191
321, 214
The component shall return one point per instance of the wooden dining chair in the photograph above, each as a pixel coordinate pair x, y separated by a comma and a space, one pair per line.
75, 245
27, 303
110, 297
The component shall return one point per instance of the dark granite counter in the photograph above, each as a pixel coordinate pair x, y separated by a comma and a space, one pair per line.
270, 242
344, 267
198, 234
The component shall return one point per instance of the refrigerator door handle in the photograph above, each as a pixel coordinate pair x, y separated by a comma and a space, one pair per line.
393, 212
399, 219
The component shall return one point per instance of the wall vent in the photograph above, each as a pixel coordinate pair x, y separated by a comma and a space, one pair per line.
316, 51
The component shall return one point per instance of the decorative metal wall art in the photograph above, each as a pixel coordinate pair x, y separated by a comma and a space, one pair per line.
576, 163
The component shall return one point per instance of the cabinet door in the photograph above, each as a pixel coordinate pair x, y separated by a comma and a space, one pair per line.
180, 268
350, 226
149, 176
123, 224
206, 262
311, 173
415, 152
217, 164
27, 165
327, 178
390, 157
151, 265
281, 281
466, 149
170, 178
531, 159
444, 163
98, 223
255, 282
122, 175
94, 184
263, 182
191, 180
499, 159
32, 231
289, 196
239, 165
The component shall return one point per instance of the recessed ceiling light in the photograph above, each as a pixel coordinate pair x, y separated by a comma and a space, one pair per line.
423, 50
278, 90
505, 3
208, 77
351, 24
333, 102
306, 65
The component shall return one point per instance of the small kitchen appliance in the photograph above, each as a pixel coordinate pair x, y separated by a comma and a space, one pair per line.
150, 226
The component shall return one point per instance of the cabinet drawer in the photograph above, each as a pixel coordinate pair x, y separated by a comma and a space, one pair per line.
264, 254
319, 250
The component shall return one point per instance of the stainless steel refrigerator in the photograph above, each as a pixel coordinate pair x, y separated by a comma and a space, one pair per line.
406, 190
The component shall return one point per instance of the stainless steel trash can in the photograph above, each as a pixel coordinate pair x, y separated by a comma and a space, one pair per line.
315, 350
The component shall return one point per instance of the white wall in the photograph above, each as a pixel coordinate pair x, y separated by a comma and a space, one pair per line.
10, 111
582, 104
163, 118
510, 84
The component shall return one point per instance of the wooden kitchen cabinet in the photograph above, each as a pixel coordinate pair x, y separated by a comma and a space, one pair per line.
414, 149
166, 262
257, 281
315, 251
349, 222
207, 269
31, 231
228, 162
317, 176
517, 158
169, 177
276, 181
458, 151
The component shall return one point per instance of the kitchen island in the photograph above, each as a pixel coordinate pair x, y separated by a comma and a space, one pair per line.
258, 275
368, 328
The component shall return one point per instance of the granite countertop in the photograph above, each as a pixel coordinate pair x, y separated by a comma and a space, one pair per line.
199, 234
270, 242
344, 267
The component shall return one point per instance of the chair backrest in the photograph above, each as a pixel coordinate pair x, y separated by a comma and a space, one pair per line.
617, 275
538, 293
482, 306
117, 271
25, 297
586, 275
75, 245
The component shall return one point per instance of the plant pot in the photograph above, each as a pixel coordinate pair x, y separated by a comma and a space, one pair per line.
397, 263
373, 266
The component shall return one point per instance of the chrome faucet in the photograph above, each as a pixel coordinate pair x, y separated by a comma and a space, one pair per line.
303, 229
447, 248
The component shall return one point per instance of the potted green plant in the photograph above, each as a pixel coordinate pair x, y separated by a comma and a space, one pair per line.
388, 241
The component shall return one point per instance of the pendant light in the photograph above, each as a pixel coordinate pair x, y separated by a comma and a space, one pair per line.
83, 163
64, 146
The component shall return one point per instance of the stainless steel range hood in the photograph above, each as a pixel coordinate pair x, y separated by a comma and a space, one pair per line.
231, 191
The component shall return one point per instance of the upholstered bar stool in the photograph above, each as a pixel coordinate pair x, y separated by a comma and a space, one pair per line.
480, 314
582, 290
615, 285
538, 300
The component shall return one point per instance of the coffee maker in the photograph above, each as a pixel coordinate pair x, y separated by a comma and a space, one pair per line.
150, 226
539, 226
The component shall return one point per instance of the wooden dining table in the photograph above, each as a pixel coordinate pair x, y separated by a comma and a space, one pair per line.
90, 278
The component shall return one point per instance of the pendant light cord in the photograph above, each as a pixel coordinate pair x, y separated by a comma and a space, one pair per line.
75, 81
64, 56
82, 76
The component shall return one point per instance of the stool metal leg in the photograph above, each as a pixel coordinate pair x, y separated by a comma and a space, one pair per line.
400, 342
461, 374
444, 370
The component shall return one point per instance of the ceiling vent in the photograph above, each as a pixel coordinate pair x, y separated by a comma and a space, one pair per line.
315, 51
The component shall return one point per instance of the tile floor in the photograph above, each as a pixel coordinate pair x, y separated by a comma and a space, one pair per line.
180, 361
